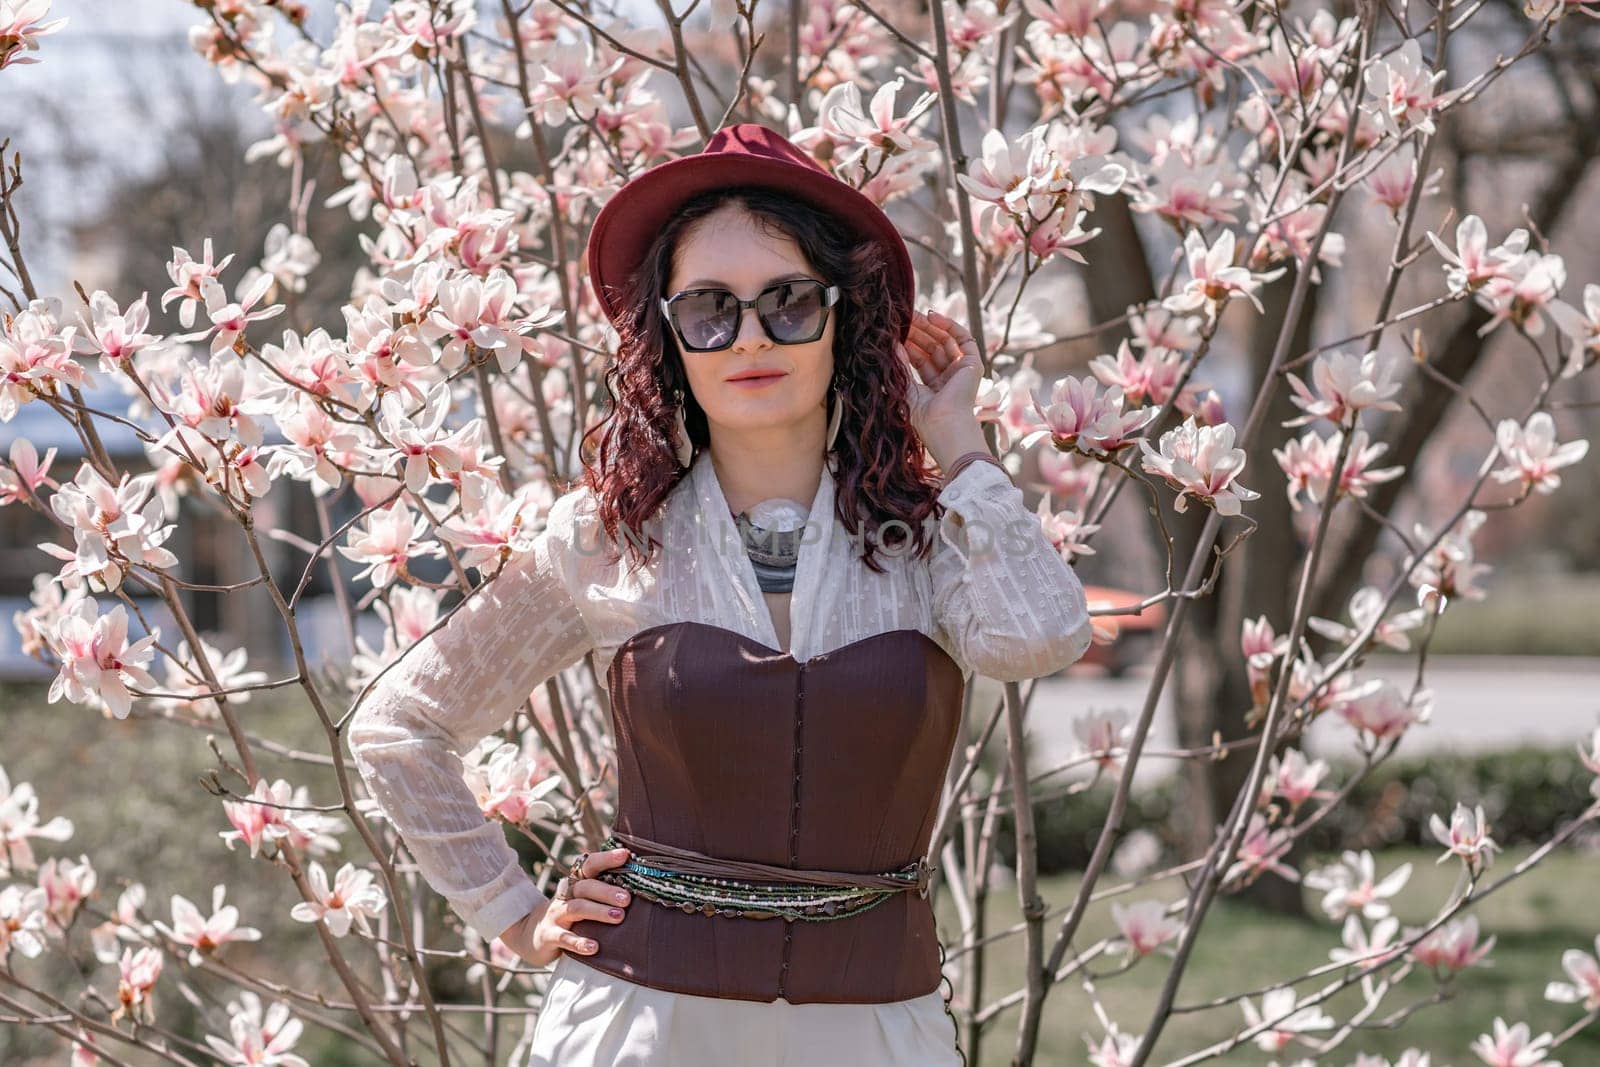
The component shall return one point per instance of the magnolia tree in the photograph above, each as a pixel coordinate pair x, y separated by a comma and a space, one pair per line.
453, 398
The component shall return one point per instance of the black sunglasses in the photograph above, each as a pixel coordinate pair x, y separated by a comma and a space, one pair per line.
792, 313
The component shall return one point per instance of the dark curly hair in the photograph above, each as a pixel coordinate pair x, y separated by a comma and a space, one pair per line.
881, 474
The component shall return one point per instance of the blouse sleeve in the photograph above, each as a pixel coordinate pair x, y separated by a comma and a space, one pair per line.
1005, 603
451, 689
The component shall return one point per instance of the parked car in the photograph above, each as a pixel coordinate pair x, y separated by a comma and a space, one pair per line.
1122, 641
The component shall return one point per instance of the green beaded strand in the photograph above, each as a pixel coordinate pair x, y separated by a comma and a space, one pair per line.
738, 898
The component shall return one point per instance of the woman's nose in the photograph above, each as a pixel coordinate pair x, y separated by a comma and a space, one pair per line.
750, 331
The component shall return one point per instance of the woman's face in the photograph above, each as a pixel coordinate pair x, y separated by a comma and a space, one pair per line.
729, 250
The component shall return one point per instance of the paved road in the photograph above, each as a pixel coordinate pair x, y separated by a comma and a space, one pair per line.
1479, 704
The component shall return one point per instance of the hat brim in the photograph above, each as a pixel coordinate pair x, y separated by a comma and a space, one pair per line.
629, 222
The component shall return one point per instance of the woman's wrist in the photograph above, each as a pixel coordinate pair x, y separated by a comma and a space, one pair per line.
946, 444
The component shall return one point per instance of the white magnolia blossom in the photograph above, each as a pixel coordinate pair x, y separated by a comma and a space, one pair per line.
1351, 886
1532, 455
1200, 461
352, 898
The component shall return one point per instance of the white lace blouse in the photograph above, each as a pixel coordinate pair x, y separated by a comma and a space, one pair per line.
994, 593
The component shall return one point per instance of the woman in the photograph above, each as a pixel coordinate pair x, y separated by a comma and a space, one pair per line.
784, 604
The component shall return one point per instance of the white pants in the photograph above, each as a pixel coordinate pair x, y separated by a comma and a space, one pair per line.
594, 1019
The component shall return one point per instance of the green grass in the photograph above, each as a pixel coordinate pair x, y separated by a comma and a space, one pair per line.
1535, 918
1525, 617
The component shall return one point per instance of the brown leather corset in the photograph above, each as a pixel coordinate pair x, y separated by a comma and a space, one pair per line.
735, 750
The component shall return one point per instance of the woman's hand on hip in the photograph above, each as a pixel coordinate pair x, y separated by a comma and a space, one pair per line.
539, 936
946, 369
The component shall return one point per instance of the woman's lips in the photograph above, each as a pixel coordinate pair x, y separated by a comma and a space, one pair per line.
756, 382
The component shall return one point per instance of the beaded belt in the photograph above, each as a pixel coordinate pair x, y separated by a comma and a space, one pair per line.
692, 881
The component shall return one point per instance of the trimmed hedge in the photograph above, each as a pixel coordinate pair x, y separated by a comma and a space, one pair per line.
1526, 795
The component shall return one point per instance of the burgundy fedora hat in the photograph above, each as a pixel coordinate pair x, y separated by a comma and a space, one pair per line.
744, 154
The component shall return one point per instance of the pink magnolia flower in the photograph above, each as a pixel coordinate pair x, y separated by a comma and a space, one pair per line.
1101, 734
25, 473
1009, 170
1067, 18
1260, 647
24, 923
139, 969
272, 814
1260, 851
386, 541
1200, 461
1283, 1022
864, 136
1066, 530
21, 26
1008, 404
1514, 1046
478, 311
1449, 568
1392, 182
1582, 328
1351, 886
973, 25
571, 83
230, 318
1467, 836
204, 934
115, 334
1116, 1049
1150, 378
187, 275
1156, 327
19, 824
1386, 711
1404, 86
67, 885
494, 531
1584, 970
1530, 284
1365, 948
97, 660
1344, 385
123, 924
288, 258
352, 898
1308, 465
1532, 455
113, 526
1145, 926
507, 781
1080, 417
1069, 476
315, 442
36, 357
427, 26
415, 438
1366, 606
1186, 192
1474, 263
257, 1038
1213, 279
1294, 778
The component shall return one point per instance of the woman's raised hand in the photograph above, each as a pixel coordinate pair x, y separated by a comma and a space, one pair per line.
946, 370
539, 936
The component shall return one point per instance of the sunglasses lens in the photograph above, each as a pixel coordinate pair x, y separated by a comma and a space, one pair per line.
707, 319
793, 311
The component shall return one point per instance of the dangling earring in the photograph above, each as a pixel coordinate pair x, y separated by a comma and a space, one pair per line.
835, 419
680, 437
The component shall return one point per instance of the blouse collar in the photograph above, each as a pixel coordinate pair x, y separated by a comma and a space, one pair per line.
740, 572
